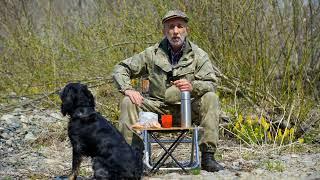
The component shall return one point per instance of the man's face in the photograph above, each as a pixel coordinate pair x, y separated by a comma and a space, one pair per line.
176, 31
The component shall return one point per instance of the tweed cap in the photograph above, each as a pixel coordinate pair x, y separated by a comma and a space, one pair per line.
174, 14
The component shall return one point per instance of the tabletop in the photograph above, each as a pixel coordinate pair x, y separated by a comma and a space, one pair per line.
167, 129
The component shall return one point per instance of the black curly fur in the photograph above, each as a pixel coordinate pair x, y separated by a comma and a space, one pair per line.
94, 136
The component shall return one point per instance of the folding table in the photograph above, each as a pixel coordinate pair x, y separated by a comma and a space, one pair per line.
148, 135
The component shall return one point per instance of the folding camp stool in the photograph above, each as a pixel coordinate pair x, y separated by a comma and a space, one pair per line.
149, 137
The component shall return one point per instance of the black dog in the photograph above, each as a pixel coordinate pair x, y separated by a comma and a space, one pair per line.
92, 135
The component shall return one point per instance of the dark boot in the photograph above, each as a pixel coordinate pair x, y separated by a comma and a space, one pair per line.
208, 162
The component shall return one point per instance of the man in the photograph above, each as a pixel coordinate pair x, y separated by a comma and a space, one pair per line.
173, 65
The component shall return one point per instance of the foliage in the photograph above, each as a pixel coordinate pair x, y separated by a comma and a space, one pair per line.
255, 130
7, 178
313, 135
196, 171
267, 52
274, 165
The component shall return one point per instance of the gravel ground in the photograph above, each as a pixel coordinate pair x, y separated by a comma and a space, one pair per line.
34, 145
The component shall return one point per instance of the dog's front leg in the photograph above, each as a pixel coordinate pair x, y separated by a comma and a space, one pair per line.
76, 161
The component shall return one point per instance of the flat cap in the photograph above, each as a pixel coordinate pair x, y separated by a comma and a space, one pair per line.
175, 14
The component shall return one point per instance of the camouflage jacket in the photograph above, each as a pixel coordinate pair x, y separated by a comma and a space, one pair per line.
154, 63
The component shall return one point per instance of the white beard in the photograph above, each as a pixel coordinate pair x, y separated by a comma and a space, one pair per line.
177, 42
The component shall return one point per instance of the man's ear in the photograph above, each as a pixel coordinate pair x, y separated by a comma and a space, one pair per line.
188, 29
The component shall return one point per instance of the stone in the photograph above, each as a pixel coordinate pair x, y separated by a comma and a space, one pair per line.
259, 171
294, 155
9, 142
29, 137
5, 135
7, 117
24, 119
57, 116
12, 94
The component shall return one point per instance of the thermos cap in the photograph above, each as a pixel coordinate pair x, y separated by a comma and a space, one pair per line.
185, 95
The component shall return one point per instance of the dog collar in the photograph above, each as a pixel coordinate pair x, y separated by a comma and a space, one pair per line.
83, 112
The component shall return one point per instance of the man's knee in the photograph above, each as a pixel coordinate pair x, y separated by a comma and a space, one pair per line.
211, 95
127, 112
126, 101
127, 105
210, 98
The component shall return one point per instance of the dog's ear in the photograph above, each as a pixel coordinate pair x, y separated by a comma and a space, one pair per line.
87, 93
66, 97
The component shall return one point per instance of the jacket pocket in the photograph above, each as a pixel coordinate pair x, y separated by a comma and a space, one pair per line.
186, 72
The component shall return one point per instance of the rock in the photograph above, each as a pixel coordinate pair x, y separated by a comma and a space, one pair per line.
5, 135
15, 125
24, 119
17, 111
9, 142
236, 165
1, 129
259, 171
8, 118
10, 149
12, 94
37, 117
222, 164
294, 155
30, 137
57, 115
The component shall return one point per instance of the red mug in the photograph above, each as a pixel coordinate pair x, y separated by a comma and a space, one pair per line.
166, 120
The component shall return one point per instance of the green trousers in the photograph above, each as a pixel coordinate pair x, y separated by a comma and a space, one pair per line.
205, 113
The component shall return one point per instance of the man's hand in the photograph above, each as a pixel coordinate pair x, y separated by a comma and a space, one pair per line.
134, 96
183, 85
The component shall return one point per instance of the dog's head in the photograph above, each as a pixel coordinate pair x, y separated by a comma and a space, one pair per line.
75, 95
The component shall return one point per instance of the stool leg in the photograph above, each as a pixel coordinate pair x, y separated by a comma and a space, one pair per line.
196, 130
192, 147
147, 153
149, 149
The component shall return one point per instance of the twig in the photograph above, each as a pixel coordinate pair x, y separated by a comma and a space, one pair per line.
121, 44
288, 120
280, 122
241, 88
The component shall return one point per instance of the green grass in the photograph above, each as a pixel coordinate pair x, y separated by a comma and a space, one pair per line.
196, 171
218, 155
85, 172
7, 178
274, 165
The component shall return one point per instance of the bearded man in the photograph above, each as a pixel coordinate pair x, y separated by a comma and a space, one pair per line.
173, 65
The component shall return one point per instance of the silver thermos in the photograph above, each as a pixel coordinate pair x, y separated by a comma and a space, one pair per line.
185, 109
